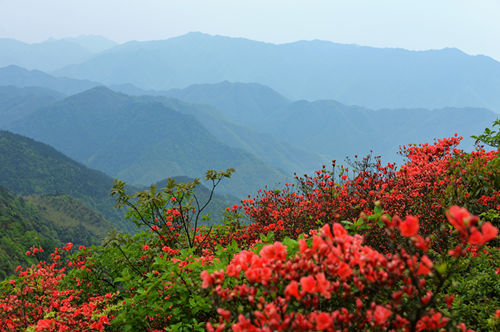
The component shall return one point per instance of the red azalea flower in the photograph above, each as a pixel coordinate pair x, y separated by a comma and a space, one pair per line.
45, 325
489, 231
322, 285
381, 314
409, 227
425, 266
323, 321
292, 289
308, 284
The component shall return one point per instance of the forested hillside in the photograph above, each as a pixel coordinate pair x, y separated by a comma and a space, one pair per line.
44, 221
141, 140
28, 167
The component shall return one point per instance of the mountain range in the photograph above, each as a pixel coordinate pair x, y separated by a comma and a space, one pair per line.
334, 130
13, 75
51, 54
312, 70
141, 140
284, 135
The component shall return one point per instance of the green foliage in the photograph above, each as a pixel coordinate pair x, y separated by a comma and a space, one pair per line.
216, 209
151, 282
168, 292
477, 291
365, 222
490, 137
479, 179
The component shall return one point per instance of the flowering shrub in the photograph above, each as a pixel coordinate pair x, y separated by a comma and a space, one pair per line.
35, 300
334, 282
434, 176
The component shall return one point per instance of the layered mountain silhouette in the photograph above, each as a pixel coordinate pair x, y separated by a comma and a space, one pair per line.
17, 103
48, 55
92, 43
20, 77
246, 116
141, 140
272, 150
245, 103
51, 54
336, 130
311, 70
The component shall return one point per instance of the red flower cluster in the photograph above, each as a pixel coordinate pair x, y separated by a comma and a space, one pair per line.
333, 282
37, 300
433, 177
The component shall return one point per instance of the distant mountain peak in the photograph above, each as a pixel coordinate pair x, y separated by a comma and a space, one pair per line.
92, 43
20, 77
19, 69
98, 93
197, 34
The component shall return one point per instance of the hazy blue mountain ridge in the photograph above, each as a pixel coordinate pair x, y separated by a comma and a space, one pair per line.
258, 101
47, 56
17, 103
92, 43
21, 77
271, 150
245, 103
335, 130
311, 70
141, 141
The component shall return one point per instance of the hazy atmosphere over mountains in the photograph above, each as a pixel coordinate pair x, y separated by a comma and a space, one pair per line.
153, 108
365, 76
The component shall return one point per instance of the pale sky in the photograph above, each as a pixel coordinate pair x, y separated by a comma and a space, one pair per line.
470, 25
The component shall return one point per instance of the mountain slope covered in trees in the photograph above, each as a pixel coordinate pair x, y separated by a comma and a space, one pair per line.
46, 221
28, 167
272, 150
141, 141
52, 200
